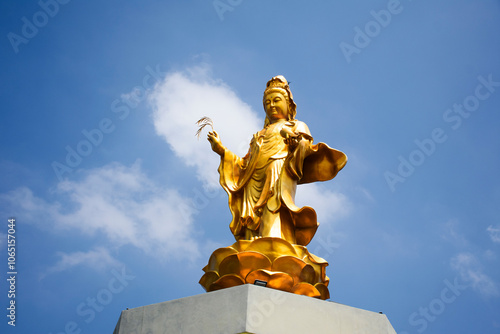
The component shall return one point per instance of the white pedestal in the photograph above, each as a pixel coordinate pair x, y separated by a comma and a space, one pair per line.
251, 309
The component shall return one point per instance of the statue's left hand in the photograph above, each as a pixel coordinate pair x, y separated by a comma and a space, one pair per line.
292, 142
290, 138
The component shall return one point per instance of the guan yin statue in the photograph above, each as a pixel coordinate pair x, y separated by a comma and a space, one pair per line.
271, 232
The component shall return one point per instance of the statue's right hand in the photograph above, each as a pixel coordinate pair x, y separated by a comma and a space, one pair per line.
214, 139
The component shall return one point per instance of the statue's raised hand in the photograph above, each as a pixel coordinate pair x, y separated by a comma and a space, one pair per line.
214, 139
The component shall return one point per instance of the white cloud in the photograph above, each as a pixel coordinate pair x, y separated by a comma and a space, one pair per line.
182, 99
329, 205
471, 271
494, 233
119, 203
97, 259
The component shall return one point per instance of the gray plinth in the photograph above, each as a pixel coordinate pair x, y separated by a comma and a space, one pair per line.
251, 309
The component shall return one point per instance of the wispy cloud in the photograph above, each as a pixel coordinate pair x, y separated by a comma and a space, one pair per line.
452, 234
120, 203
96, 259
494, 233
471, 271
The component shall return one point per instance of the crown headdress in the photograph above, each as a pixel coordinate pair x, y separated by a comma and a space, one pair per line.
277, 81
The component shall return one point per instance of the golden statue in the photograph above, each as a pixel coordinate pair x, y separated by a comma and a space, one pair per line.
271, 231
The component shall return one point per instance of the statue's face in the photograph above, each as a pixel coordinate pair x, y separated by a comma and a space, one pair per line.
276, 106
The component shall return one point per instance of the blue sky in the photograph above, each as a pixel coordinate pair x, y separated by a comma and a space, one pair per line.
117, 203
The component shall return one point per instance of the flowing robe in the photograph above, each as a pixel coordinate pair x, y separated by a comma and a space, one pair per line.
263, 183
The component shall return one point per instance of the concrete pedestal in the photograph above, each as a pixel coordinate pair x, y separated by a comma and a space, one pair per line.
251, 309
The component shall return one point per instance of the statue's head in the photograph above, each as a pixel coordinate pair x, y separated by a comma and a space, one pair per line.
278, 100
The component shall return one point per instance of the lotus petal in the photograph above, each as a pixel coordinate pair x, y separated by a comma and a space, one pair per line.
306, 289
308, 275
207, 279
323, 290
243, 263
275, 280
272, 247
217, 257
241, 245
295, 267
226, 281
